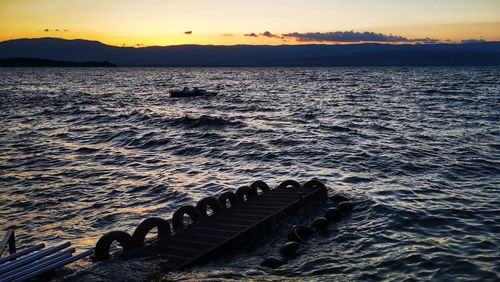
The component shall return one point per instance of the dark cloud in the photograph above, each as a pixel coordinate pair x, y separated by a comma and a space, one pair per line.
228, 35
270, 35
426, 40
344, 36
352, 36
56, 30
265, 34
465, 41
188, 32
251, 35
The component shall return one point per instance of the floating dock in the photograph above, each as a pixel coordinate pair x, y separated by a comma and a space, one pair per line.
236, 218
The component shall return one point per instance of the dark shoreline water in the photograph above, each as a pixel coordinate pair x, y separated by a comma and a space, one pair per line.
85, 151
43, 63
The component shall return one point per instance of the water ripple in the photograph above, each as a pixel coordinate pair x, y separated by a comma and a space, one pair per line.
85, 151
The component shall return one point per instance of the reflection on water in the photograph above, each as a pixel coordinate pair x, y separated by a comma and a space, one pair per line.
86, 151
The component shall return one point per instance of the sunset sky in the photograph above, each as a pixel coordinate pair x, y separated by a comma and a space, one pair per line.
229, 22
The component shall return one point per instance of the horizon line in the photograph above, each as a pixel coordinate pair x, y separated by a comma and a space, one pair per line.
257, 45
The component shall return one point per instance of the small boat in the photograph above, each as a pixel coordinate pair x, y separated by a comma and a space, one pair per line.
186, 92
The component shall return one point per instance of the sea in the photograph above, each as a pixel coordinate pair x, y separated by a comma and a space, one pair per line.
84, 151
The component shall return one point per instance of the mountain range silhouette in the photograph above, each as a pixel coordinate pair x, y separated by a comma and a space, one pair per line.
369, 54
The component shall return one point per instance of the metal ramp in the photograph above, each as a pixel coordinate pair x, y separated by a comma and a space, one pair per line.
32, 262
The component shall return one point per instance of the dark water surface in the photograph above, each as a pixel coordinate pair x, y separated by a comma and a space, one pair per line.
85, 151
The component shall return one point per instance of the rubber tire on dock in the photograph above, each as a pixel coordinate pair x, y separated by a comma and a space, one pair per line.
233, 199
259, 184
245, 191
143, 229
104, 243
313, 183
289, 249
274, 262
300, 233
178, 217
345, 207
337, 199
333, 214
288, 183
211, 202
320, 224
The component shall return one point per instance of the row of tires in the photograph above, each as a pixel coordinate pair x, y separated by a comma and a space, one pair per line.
196, 213
300, 234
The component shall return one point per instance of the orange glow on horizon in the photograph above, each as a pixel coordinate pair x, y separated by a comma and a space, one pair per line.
444, 33
162, 23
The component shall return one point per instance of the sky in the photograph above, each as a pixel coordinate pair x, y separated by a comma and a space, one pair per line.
270, 22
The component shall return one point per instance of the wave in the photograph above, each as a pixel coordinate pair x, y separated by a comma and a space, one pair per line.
356, 179
205, 121
336, 128
427, 161
86, 150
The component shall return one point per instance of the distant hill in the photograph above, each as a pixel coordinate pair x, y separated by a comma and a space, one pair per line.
481, 53
35, 62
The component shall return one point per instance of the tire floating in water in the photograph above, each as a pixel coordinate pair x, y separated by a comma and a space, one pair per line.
345, 207
337, 199
333, 214
289, 249
300, 233
320, 224
274, 262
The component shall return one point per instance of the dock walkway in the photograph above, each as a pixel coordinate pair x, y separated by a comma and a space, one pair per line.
210, 236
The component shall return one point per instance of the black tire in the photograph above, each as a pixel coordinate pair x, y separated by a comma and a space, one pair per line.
245, 191
273, 262
178, 217
288, 183
259, 184
345, 207
333, 214
320, 223
214, 204
233, 199
143, 229
337, 199
314, 183
300, 233
102, 246
289, 249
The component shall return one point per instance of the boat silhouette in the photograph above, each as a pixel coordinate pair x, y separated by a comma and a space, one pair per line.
194, 92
